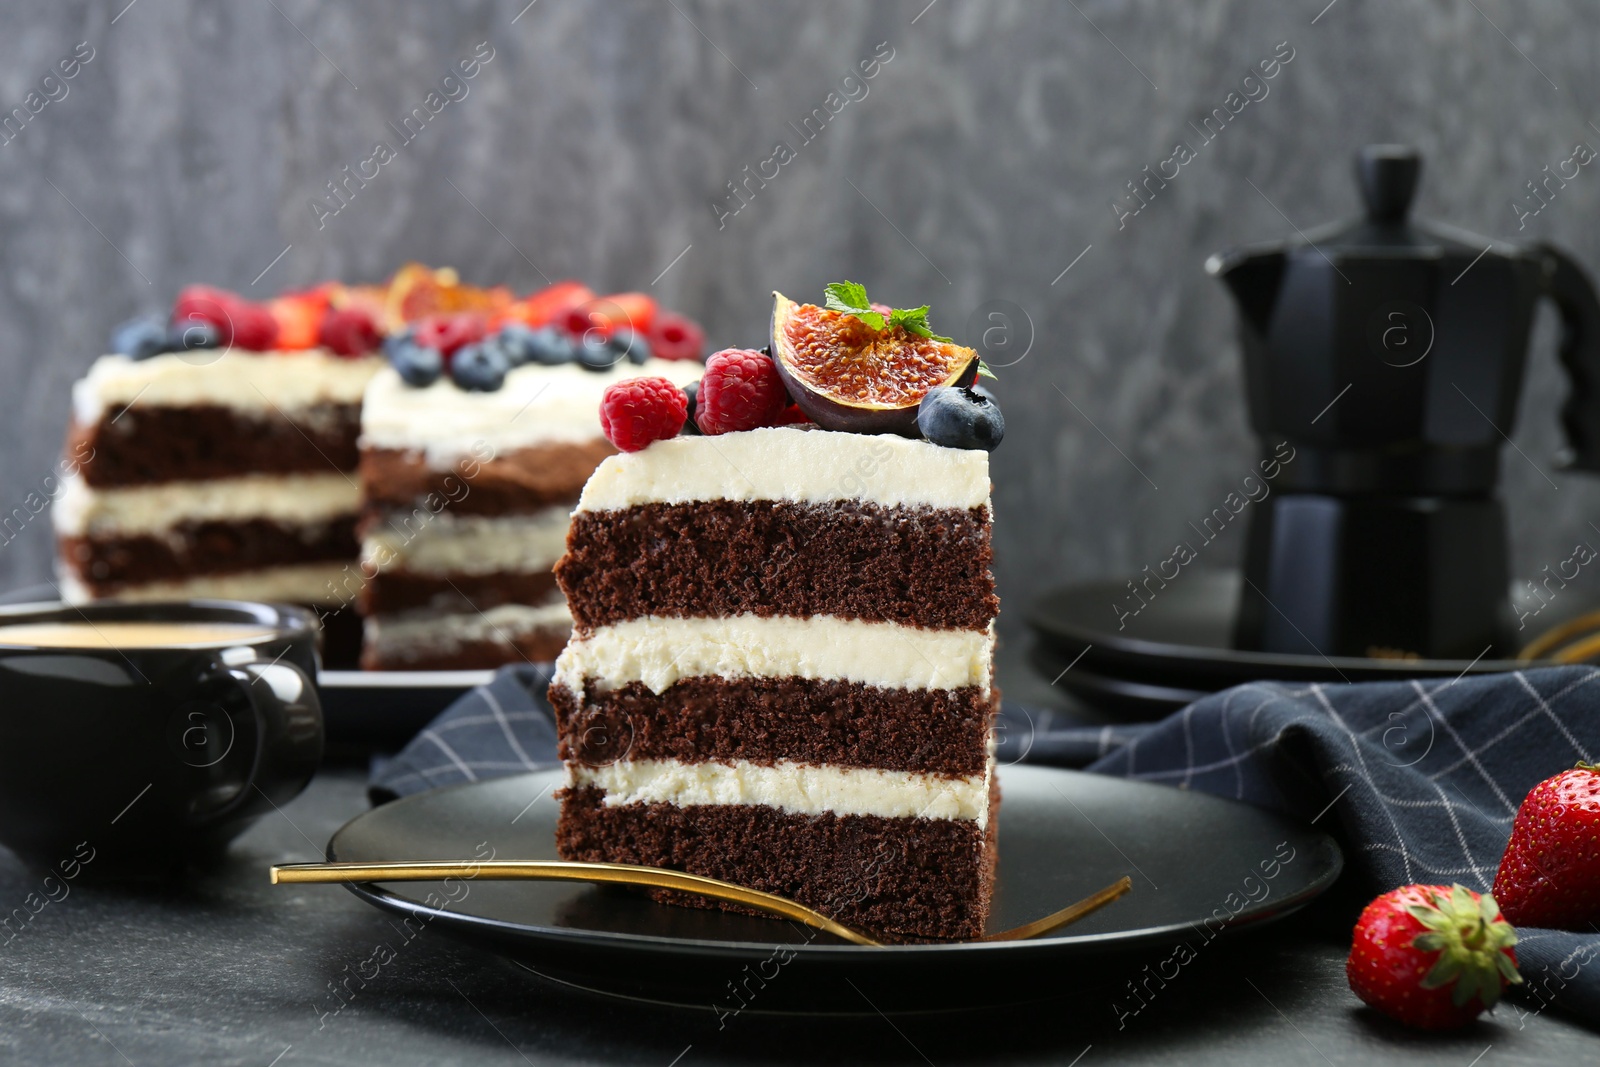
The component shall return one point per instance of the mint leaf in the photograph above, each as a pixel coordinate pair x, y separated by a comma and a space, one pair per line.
850, 298
916, 321
984, 371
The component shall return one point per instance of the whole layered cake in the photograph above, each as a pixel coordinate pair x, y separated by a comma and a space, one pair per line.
214, 454
781, 671
411, 449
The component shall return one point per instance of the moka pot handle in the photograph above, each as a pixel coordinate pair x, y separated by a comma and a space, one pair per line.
1566, 283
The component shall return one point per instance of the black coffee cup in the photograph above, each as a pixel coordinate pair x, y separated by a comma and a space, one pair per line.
147, 753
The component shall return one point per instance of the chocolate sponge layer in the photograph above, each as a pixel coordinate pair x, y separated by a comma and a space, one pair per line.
146, 445
901, 879
107, 564
765, 720
516, 482
924, 567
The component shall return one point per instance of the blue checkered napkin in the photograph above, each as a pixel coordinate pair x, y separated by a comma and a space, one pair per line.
1419, 780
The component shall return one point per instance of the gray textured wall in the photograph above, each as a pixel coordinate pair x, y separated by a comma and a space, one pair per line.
980, 164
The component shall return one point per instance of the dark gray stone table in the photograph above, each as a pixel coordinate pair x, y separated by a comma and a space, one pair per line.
230, 970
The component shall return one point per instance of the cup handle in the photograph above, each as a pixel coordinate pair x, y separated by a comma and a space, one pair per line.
289, 736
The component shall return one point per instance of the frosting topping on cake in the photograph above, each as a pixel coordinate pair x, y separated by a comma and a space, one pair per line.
251, 382
537, 404
798, 464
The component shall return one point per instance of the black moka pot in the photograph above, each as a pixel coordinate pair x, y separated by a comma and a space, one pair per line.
1388, 355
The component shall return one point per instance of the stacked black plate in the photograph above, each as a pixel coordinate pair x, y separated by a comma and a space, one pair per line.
1178, 648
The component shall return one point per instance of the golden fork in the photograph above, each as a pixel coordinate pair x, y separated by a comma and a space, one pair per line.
653, 877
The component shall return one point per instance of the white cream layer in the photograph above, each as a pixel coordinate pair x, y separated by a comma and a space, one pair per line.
791, 464
301, 583
290, 499
797, 788
470, 544
258, 383
419, 632
537, 405
658, 651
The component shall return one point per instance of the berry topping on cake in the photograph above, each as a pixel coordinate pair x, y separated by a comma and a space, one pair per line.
349, 332
625, 311
480, 366
238, 322
416, 364
549, 347
961, 417
741, 390
595, 353
691, 393
632, 345
860, 367
516, 341
549, 304
196, 335
449, 332
299, 318
639, 411
141, 338
673, 336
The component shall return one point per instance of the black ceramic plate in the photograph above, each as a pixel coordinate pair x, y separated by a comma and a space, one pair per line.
1194, 860
1182, 639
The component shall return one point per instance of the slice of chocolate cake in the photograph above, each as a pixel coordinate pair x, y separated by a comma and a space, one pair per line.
780, 672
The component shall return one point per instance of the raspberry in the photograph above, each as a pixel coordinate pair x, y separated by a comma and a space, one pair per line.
238, 322
741, 390
349, 332
635, 412
449, 332
672, 336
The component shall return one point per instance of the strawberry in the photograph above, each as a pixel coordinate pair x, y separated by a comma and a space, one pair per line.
1550, 873
1432, 957
544, 306
632, 311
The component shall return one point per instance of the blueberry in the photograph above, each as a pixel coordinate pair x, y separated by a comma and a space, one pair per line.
550, 347
517, 342
960, 417
416, 364
692, 391
141, 338
631, 344
396, 341
596, 354
194, 335
479, 367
